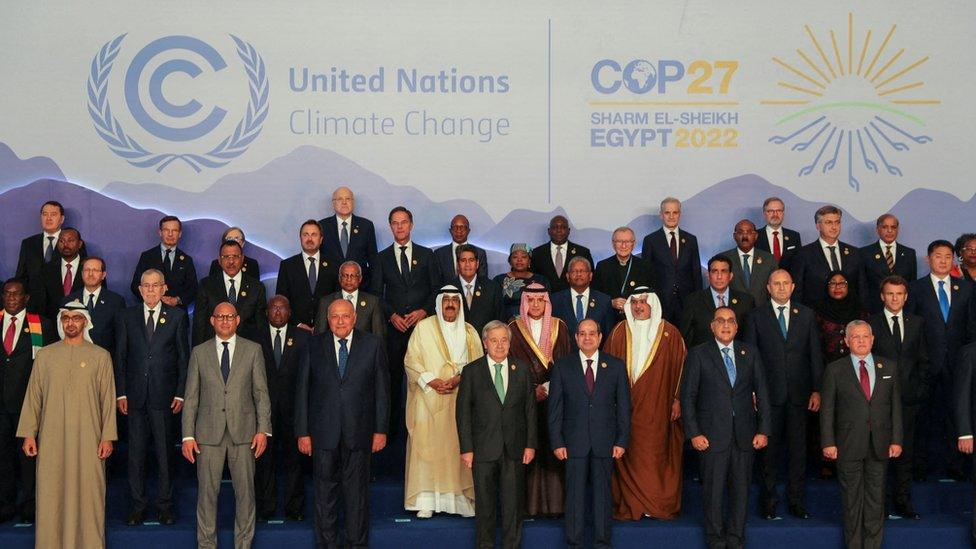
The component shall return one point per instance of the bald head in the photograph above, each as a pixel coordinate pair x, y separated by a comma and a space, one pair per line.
342, 318
343, 201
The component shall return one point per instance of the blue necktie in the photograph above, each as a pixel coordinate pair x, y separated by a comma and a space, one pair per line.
746, 270
729, 366
343, 358
579, 309
232, 293
49, 250
225, 360
943, 301
782, 321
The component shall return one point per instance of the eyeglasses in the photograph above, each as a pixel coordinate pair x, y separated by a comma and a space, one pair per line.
230, 257
224, 318
841, 284
725, 321
969, 250
92, 271
615, 241
348, 276
152, 286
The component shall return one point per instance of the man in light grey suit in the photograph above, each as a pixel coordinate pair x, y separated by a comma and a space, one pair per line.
226, 415
369, 310
751, 266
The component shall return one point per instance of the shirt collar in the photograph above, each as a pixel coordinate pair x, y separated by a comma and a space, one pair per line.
776, 306
595, 358
354, 293
823, 244
585, 293
219, 342
936, 280
305, 256
348, 338
731, 345
884, 245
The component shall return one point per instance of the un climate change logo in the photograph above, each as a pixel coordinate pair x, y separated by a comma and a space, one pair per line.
125, 146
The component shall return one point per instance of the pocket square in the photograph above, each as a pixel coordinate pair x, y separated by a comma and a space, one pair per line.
790, 247
885, 377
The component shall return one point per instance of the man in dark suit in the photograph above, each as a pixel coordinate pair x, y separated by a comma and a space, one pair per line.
552, 258
59, 277
305, 277
369, 310
884, 258
699, 310
41, 248
619, 275
104, 305
581, 300
22, 334
901, 336
965, 408
677, 263
860, 427
482, 296
342, 406
243, 291
589, 427
175, 264
447, 255
723, 388
497, 432
405, 278
814, 262
788, 341
751, 266
947, 305
773, 237
349, 237
283, 345
150, 377
250, 266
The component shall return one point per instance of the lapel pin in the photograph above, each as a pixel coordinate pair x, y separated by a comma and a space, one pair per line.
682, 240
26, 330
362, 303
414, 261
786, 238
847, 251
355, 230
290, 342
603, 364
243, 294
325, 263
512, 367
796, 311
182, 257
244, 269
742, 352
162, 320
632, 283
735, 301
83, 364
572, 251
758, 261
477, 293
592, 303
955, 287
880, 365
877, 256
666, 334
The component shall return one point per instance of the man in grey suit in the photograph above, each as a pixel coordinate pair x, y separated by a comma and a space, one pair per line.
751, 266
369, 311
226, 415
860, 427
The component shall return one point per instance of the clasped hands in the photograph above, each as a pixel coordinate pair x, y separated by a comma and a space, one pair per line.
444, 386
405, 322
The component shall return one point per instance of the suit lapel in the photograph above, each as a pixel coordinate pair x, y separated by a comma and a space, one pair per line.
719, 361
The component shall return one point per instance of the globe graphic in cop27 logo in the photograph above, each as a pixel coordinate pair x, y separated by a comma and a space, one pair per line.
639, 76
174, 140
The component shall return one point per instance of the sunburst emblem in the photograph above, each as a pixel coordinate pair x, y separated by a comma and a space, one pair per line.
859, 108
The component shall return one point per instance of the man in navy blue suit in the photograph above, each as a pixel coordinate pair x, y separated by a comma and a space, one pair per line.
447, 255
175, 264
677, 263
773, 237
104, 305
150, 376
947, 305
581, 300
725, 408
884, 258
589, 427
342, 407
814, 262
347, 236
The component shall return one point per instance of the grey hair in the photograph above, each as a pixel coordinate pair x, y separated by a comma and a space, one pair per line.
578, 259
152, 271
856, 323
359, 269
495, 325
670, 200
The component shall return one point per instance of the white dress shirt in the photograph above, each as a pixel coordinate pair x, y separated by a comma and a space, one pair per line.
596, 360
491, 371
901, 321
868, 365
85, 293
677, 238
75, 265
586, 300
408, 252
18, 320
318, 264
335, 341
884, 248
552, 253
219, 343
237, 282
947, 286
826, 252
339, 221
770, 238
352, 297
54, 243
786, 312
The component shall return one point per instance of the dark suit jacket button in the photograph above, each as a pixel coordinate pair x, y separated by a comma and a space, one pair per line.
221, 409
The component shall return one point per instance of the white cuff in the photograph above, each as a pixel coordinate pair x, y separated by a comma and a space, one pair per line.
188, 438
546, 385
121, 398
178, 398
424, 379
966, 437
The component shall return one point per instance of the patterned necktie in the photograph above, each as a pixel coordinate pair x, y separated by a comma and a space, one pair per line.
746, 270
49, 251
559, 261
232, 293
943, 301
896, 332
499, 383
277, 348
312, 275
579, 308
68, 279
777, 252
468, 294
674, 248
721, 300
8, 337
890, 259
343, 357
729, 365
91, 303
782, 320
349, 298
404, 264
150, 326
834, 263
590, 376
344, 239
168, 260
865, 380
225, 360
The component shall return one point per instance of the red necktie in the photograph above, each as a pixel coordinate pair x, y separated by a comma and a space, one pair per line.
68, 279
777, 252
8, 338
590, 376
865, 381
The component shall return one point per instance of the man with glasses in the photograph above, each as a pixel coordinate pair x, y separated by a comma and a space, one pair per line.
773, 237
251, 265
175, 264
104, 305
307, 276
369, 311
618, 275
447, 255
349, 237
227, 418
814, 262
241, 290
150, 376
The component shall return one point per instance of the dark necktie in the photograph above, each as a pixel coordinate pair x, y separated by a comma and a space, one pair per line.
579, 308
865, 381
168, 260
674, 248
49, 251
225, 360
782, 320
150, 326
91, 303
890, 259
344, 239
312, 275
896, 332
590, 376
777, 251
746, 270
277, 348
343, 358
232, 293
834, 264
68, 279
404, 264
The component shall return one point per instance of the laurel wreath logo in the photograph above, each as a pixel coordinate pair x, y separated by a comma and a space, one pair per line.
124, 145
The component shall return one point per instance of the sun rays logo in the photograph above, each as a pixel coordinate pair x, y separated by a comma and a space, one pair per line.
858, 104
178, 127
